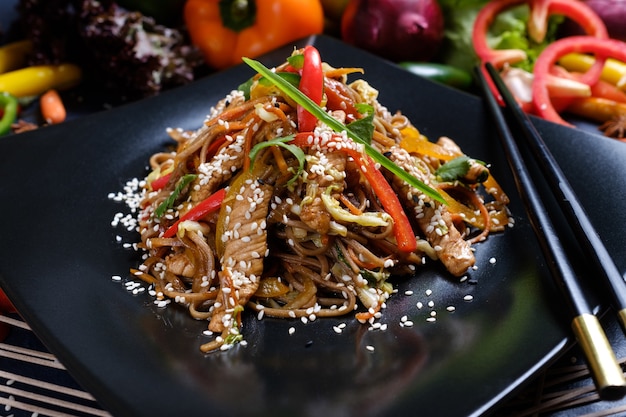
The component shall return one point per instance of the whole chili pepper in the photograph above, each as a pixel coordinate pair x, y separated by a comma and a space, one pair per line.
13, 55
9, 105
36, 80
226, 30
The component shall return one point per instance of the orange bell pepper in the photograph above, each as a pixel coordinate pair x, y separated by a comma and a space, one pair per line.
226, 30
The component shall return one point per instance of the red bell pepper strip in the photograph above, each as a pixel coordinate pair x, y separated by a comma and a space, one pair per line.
215, 146
160, 182
403, 232
206, 206
603, 48
312, 85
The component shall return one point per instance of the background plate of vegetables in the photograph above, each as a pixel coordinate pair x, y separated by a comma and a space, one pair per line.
59, 253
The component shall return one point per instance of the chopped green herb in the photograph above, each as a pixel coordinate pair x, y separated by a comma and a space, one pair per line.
282, 142
245, 88
290, 77
169, 201
296, 61
364, 127
454, 169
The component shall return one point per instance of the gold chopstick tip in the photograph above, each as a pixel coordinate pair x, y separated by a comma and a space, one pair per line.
601, 359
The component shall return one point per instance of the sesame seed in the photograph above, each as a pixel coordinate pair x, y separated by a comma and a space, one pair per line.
370, 348
468, 297
292, 330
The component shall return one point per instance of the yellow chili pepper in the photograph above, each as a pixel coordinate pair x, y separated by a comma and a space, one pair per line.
614, 71
36, 80
13, 55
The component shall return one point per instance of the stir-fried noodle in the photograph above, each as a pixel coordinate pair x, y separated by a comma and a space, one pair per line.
248, 212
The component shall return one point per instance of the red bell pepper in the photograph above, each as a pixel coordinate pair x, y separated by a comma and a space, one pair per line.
312, 85
206, 206
160, 182
403, 232
603, 48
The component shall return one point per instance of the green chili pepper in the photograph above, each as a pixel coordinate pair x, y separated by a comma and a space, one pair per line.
445, 74
9, 105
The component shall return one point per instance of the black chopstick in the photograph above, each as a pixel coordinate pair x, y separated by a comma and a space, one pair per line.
601, 359
569, 203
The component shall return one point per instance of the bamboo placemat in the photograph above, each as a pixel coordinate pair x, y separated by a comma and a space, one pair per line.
34, 383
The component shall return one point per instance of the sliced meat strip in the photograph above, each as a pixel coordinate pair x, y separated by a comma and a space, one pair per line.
324, 170
245, 247
433, 218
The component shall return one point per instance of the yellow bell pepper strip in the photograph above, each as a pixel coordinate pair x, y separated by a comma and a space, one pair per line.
9, 106
403, 232
226, 30
36, 80
603, 48
614, 71
13, 55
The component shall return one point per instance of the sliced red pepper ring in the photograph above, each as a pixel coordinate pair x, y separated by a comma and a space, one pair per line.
602, 48
403, 231
484, 19
312, 85
578, 11
540, 10
206, 206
